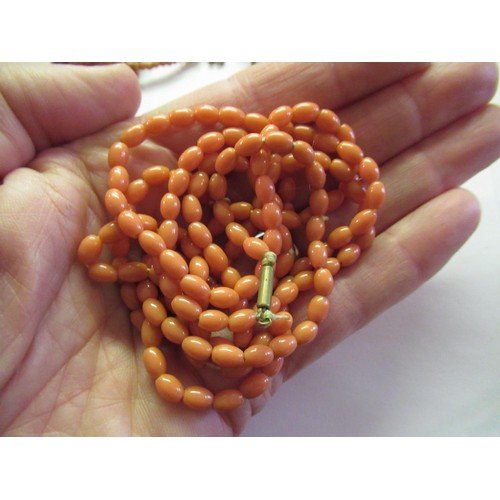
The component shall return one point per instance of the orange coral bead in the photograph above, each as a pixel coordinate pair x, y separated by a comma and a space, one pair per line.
197, 397
254, 385
227, 356
228, 400
169, 387
154, 361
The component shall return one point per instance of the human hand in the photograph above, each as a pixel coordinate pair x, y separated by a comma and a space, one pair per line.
70, 362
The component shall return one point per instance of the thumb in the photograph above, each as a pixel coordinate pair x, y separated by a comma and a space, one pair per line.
44, 105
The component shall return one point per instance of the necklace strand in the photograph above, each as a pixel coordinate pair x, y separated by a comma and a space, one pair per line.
183, 289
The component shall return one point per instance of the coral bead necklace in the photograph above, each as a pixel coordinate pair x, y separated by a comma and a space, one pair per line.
213, 271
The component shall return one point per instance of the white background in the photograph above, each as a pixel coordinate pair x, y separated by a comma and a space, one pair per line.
429, 366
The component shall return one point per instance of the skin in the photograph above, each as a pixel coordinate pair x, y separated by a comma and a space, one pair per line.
70, 363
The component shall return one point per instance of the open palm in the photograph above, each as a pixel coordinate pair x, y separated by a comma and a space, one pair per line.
69, 360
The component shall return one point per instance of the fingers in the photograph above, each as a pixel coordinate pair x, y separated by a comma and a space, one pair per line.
264, 86
402, 259
397, 117
445, 160
42, 105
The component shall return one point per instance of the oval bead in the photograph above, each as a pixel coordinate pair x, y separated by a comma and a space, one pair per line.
341, 170
236, 233
264, 189
283, 345
227, 356
198, 184
211, 142
328, 121
158, 124
273, 368
305, 112
363, 221
170, 206
349, 254
110, 233
191, 208
368, 170
151, 335
178, 182
197, 397
254, 385
102, 272
365, 241
227, 400
183, 117
286, 292
231, 116
197, 348
305, 332
223, 297
242, 320
230, 277
115, 202
317, 253
190, 159
216, 258
217, 186
303, 152
198, 266
169, 388
173, 264
199, 234
149, 222
375, 195
255, 122
271, 215
222, 212
213, 320
134, 135
315, 228
281, 116
279, 142
258, 355
255, 248
154, 311
323, 281
118, 154
226, 161
206, 114
130, 223
133, 272
169, 233
146, 290
195, 287
118, 178
137, 190
247, 286
350, 152
154, 361
156, 175
318, 201
152, 243
174, 330
339, 237
186, 308
304, 280
90, 249
249, 144
317, 309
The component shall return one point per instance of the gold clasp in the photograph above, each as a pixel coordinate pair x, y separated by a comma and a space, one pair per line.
264, 315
